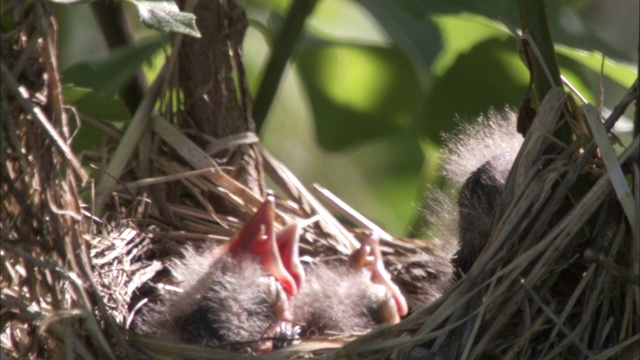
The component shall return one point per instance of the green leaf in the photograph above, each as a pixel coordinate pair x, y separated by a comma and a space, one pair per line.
71, 2
164, 15
391, 166
358, 93
110, 74
87, 138
491, 9
574, 73
477, 68
489, 75
95, 105
344, 21
417, 37
382, 179
622, 74
461, 32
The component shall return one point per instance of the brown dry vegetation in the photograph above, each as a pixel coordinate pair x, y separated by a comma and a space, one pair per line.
559, 278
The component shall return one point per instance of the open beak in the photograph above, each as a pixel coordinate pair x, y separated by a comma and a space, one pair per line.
288, 240
257, 238
278, 255
369, 259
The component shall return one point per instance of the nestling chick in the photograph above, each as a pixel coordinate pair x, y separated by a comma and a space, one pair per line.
236, 298
349, 298
252, 295
479, 159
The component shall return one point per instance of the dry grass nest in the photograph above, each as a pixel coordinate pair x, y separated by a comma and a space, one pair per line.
558, 279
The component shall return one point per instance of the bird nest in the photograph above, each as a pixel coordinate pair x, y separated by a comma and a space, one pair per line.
558, 278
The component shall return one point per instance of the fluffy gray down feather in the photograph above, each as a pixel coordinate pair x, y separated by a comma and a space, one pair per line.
218, 303
477, 160
338, 300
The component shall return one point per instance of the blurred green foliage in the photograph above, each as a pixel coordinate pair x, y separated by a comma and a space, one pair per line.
373, 83
355, 106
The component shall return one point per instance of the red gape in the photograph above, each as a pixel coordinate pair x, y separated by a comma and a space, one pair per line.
368, 258
278, 254
288, 240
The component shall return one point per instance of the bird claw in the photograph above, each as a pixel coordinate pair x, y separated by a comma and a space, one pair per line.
285, 335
